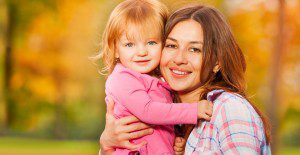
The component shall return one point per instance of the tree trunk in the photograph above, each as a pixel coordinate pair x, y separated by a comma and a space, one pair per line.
274, 104
8, 65
59, 126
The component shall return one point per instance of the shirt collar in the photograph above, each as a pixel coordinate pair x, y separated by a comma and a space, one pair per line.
211, 96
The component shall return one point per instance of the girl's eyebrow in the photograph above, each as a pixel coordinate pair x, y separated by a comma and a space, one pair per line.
152, 38
191, 42
125, 39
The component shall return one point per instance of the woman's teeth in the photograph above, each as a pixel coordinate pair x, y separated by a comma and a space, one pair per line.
179, 72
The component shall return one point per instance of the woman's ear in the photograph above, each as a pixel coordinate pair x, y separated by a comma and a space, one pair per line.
216, 68
117, 56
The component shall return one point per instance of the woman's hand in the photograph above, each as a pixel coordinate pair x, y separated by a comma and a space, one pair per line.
179, 145
118, 132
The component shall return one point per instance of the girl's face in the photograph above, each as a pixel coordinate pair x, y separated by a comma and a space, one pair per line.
139, 54
182, 57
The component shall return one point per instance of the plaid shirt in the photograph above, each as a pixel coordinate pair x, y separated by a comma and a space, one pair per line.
235, 128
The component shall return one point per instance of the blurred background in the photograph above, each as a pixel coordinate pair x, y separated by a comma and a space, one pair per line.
52, 97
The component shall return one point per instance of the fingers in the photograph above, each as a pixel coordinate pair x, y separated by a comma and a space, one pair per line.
206, 117
178, 149
179, 153
133, 147
138, 134
179, 142
205, 109
110, 105
209, 109
135, 127
209, 112
128, 120
179, 145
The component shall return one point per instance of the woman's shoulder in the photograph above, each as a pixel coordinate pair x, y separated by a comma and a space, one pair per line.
228, 99
233, 112
233, 106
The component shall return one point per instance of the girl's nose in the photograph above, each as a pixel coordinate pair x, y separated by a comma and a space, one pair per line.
142, 51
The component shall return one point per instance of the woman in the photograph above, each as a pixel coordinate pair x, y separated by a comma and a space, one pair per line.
201, 60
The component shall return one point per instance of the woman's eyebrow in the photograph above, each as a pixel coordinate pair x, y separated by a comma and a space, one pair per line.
172, 39
196, 42
191, 42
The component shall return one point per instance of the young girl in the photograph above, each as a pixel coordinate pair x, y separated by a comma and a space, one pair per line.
132, 45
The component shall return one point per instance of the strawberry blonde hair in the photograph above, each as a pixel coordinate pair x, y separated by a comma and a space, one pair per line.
148, 17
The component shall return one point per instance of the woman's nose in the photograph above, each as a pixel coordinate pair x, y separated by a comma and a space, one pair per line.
180, 57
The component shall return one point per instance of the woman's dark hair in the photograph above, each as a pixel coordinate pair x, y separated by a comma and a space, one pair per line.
220, 47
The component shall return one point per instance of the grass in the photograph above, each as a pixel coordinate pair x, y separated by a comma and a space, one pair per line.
289, 151
27, 146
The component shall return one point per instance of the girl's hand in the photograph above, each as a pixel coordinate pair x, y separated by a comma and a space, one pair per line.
118, 132
179, 145
205, 109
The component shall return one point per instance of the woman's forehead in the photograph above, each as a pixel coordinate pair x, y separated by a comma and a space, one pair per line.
188, 31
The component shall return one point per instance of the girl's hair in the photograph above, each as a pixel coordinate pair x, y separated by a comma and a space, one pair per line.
219, 48
148, 17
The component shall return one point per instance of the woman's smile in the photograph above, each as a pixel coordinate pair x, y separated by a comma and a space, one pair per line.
179, 73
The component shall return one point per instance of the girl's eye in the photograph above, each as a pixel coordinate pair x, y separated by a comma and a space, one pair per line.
170, 46
128, 44
152, 43
195, 50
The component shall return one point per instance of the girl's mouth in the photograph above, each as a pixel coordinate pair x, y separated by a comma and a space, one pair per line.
142, 62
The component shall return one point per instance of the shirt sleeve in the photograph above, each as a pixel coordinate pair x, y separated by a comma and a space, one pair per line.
129, 89
240, 131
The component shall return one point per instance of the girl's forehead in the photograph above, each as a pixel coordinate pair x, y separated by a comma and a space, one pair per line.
139, 33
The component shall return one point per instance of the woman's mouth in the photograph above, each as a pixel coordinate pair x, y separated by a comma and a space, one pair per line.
179, 72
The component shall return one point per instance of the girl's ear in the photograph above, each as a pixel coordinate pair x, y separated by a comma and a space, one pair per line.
216, 68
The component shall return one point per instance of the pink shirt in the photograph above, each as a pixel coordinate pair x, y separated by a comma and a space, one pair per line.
148, 99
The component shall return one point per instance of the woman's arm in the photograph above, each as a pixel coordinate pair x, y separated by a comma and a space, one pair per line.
118, 132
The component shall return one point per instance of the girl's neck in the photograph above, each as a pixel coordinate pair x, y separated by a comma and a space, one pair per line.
191, 96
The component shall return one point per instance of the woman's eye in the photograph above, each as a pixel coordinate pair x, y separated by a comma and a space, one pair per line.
196, 50
170, 46
128, 44
152, 43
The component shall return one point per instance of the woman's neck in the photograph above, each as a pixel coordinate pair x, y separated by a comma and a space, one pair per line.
191, 96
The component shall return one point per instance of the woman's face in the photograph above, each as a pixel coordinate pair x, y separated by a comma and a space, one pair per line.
182, 56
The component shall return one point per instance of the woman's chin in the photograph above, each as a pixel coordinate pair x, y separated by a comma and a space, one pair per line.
177, 87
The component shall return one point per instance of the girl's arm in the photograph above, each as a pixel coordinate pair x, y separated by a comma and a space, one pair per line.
240, 131
118, 132
130, 90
